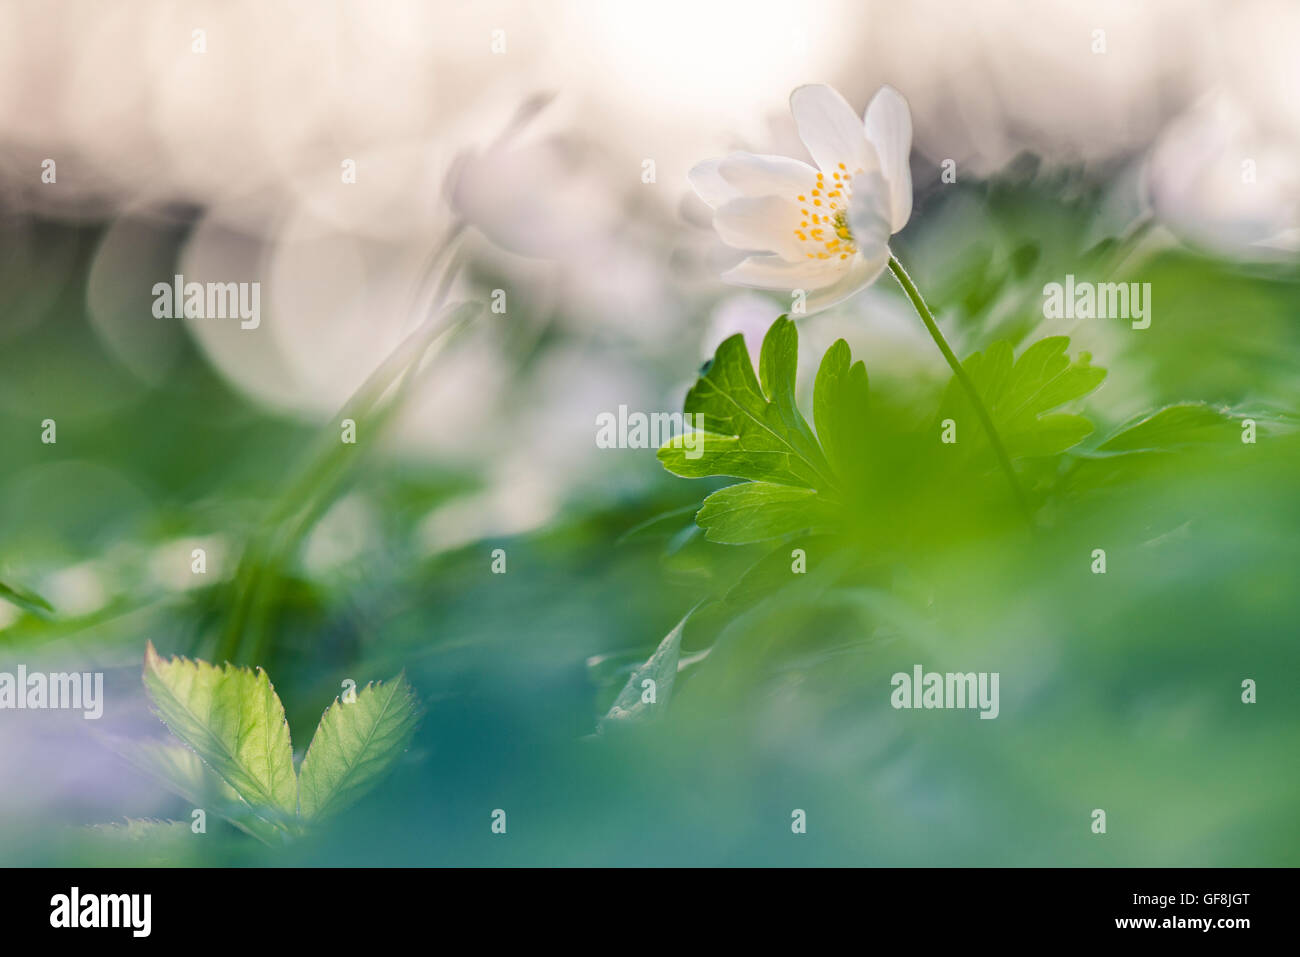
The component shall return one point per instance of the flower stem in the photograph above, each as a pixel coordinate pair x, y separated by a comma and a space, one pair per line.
986, 420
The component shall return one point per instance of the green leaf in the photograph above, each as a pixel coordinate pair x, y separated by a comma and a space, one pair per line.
181, 771
630, 707
772, 571
355, 745
1173, 427
136, 842
174, 766
758, 511
779, 367
665, 525
750, 430
145, 830
26, 600
234, 721
840, 399
753, 429
1020, 394
1050, 435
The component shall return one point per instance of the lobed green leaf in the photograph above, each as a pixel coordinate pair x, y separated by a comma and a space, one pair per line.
759, 511
1019, 395
1175, 426
840, 400
750, 429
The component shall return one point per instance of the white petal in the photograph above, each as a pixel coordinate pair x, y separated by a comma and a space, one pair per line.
707, 181
773, 272
755, 175
760, 223
869, 211
862, 272
888, 123
831, 130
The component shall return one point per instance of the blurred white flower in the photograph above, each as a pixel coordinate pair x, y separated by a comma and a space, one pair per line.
825, 230
537, 199
76, 590
171, 565
1222, 179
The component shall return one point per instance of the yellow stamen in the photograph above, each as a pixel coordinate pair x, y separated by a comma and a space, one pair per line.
826, 246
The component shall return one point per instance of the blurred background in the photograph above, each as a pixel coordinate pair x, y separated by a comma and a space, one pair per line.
366, 163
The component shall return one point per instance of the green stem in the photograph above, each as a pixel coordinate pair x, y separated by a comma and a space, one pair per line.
986, 420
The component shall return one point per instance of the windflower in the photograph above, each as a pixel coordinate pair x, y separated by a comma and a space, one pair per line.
824, 230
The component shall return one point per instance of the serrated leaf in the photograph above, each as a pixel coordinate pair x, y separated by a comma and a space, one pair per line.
181, 771
137, 842
661, 668
174, 766
750, 429
759, 511
1020, 395
234, 721
355, 745
141, 829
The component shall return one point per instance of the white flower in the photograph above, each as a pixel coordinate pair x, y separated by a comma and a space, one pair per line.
825, 230
1222, 178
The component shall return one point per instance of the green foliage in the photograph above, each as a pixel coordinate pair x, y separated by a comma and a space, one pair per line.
1173, 427
756, 511
134, 842
25, 599
874, 497
1132, 676
834, 481
181, 771
234, 723
840, 408
1021, 396
142, 830
753, 429
1149, 448
631, 706
354, 745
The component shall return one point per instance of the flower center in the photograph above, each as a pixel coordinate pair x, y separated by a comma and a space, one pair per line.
824, 229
